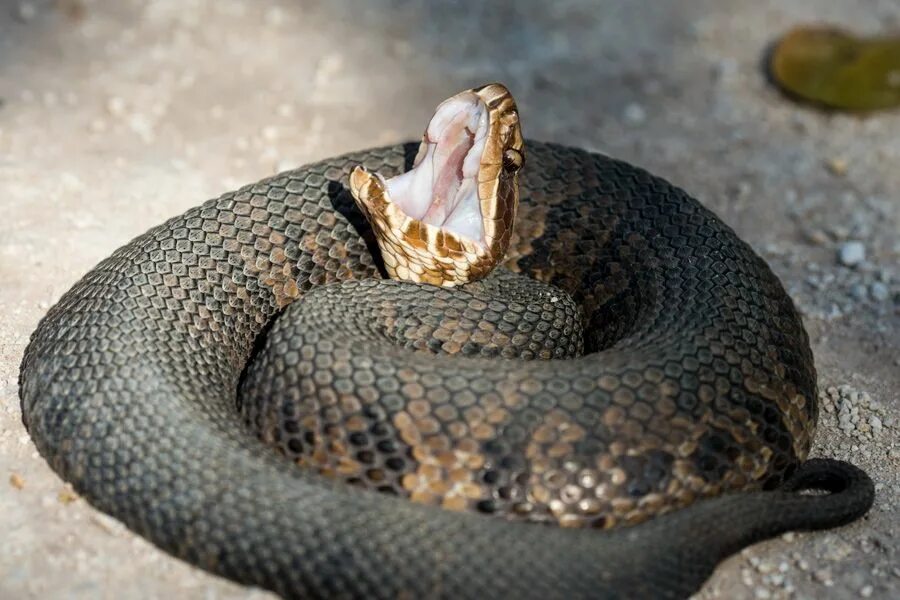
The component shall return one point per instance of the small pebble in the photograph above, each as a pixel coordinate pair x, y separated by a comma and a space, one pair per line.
270, 133
285, 110
839, 231
836, 166
823, 576
879, 291
17, 481
859, 291
765, 568
635, 113
817, 237
26, 11
851, 253
116, 106
866, 591
67, 495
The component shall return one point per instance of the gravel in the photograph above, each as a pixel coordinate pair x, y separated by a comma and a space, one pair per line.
857, 413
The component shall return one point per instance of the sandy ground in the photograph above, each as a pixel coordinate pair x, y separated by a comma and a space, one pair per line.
116, 115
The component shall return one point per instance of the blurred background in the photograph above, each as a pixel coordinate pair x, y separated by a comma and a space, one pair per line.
115, 115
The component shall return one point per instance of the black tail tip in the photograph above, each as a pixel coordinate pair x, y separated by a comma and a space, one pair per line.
851, 492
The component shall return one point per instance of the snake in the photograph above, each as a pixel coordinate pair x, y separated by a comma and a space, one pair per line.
477, 366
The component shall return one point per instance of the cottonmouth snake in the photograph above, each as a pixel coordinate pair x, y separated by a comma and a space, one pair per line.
693, 378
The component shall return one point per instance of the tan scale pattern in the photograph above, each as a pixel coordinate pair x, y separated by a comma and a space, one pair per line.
413, 250
663, 357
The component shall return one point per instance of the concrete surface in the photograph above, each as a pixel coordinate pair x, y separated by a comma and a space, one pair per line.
117, 115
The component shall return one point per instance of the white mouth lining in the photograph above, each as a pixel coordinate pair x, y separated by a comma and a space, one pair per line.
442, 187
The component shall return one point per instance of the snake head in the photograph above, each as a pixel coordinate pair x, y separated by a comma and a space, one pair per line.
448, 220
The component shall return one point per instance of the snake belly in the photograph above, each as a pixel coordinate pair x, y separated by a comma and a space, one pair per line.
693, 379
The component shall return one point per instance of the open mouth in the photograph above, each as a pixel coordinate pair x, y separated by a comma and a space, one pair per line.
442, 187
449, 219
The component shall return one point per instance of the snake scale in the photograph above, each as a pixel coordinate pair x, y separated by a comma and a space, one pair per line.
632, 357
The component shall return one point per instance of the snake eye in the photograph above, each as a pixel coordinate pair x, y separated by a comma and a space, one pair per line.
512, 160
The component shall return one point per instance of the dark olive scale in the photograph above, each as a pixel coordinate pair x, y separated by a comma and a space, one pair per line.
662, 364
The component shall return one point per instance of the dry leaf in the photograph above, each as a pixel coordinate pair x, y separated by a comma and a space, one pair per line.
838, 70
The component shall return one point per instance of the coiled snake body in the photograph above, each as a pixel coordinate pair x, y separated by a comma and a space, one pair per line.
693, 378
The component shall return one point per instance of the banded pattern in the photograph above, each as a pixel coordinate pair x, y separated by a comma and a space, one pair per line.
693, 378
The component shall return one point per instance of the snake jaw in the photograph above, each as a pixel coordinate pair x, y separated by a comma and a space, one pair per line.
448, 220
